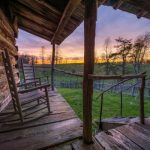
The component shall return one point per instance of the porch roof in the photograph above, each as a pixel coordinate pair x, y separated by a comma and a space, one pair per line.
55, 20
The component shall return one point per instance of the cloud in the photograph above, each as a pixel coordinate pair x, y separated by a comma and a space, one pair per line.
110, 23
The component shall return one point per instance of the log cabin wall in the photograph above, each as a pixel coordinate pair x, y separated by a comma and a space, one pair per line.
8, 30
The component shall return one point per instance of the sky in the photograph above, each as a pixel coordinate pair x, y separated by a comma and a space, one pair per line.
110, 23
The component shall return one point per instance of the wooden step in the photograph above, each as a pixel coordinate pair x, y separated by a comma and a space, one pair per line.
132, 136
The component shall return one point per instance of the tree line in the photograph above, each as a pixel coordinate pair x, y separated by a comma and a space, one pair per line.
125, 51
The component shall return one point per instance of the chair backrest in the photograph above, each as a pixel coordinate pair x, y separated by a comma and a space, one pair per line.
5, 96
12, 78
28, 72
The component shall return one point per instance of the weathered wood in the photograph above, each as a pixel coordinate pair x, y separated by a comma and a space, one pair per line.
47, 119
52, 128
101, 77
15, 26
108, 142
79, 145
123, 140
52, 66
5, 21
4, 43
72, 4
24, 23
118, 4
28, 15
89, 46
51, 134
69, 73
15, 92
134, 135
142, 100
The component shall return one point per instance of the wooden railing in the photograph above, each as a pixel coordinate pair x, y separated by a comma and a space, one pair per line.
123, 78
69, 73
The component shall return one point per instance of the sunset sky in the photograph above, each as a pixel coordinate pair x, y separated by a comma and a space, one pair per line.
110, 23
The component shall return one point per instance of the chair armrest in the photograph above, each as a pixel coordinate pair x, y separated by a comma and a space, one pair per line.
33, 78
25, 84
34, 88
38, 79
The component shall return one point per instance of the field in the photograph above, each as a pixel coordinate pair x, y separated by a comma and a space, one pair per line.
111, 104
111, 100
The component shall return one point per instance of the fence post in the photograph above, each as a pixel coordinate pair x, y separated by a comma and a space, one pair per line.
142, 100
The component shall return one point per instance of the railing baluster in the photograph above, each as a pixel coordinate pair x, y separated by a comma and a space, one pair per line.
142, 100
121, 97
101, 111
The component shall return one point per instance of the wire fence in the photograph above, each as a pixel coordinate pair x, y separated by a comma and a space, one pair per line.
72, 80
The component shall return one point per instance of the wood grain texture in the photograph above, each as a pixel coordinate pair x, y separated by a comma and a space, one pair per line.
60, 126
133, 136
89, 48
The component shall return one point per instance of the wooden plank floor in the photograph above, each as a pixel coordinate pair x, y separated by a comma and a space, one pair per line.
62, 130
133, 136
127, 137
62, 125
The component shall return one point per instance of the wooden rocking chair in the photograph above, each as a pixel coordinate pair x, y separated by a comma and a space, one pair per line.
29, 74
23, 98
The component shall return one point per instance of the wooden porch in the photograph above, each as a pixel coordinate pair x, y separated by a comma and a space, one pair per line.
62, 125
62, 129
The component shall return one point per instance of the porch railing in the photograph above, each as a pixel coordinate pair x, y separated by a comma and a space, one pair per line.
123, 79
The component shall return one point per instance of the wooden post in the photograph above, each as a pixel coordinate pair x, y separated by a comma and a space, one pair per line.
89, 45
142, 100
52, 66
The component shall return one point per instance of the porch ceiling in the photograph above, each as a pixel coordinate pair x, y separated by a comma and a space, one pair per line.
55, 20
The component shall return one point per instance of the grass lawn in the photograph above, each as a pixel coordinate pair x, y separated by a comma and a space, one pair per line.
111, 104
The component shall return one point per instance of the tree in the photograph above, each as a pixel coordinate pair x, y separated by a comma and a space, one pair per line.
140, 48
58, 57
107, 53
43, 54
124, 47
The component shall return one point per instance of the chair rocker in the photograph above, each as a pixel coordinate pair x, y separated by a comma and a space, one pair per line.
25, 99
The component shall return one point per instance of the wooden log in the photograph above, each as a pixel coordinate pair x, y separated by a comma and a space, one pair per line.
72, 4
4, 43
6, 23
89, 45
15, 26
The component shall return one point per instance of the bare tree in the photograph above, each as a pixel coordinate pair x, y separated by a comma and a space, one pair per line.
43, 54
58, 57
140, 48
107, 53
35, 59
124, 47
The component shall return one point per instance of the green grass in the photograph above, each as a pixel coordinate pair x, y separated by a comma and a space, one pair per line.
111, 104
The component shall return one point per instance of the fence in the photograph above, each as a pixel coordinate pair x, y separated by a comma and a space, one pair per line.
131, 89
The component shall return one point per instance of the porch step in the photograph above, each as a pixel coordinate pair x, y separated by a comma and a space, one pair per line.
112, 123
131, 136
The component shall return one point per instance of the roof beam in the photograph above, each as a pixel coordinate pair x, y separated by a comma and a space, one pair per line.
141, 13
72, 4
34, 29
101, 2
118, 4
34, 33
25, 12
